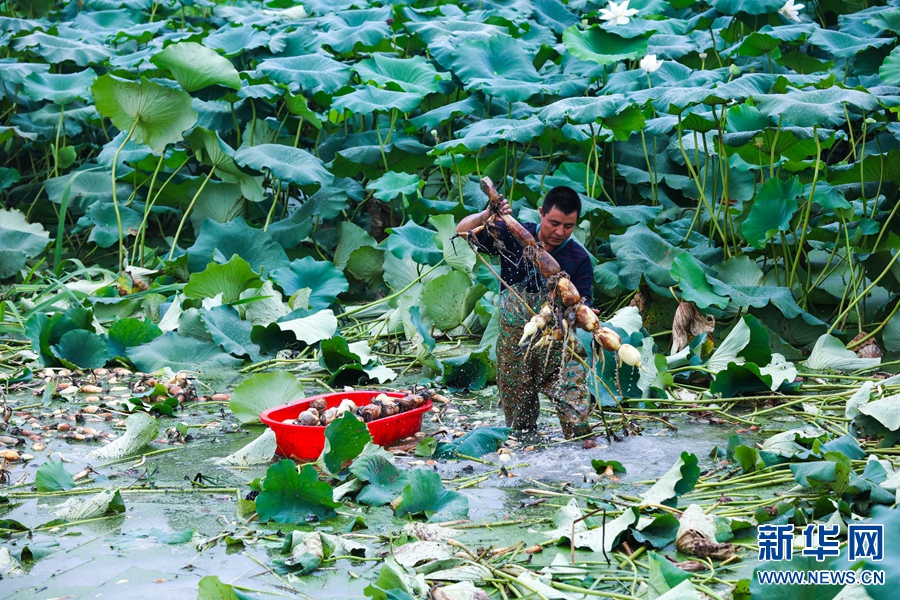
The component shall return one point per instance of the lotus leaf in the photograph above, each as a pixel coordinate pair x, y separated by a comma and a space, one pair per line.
196, 67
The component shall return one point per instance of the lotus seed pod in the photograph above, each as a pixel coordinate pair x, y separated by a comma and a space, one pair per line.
630, 355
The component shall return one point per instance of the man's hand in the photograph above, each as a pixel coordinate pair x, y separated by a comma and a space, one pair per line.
478, 219
504, 208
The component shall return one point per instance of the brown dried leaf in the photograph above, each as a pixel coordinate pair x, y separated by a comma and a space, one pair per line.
688, 324
869, 348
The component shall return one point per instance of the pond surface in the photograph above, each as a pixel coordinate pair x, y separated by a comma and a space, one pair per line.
122, 557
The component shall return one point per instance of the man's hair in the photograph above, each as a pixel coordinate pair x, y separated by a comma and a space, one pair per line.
564, 198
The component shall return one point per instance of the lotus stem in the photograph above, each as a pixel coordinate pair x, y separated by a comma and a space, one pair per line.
115, 198
188, 211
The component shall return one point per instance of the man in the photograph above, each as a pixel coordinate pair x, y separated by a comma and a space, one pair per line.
519, 380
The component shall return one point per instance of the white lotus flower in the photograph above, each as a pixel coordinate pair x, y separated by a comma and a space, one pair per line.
649, 64
618, 13
791, 11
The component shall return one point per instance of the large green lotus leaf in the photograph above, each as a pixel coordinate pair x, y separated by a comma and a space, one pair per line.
830, 353
196, 67
772, 210
45, 330
55, 49
476, 443
885, 410
806, 108
371, 99
221, 202
308, 326
473, 105
748, 340
220, 242
469, 371
229, 279
351, 237
180, 354
53, 477
345, 438
376, 466
413, 75
336, 353
743, 282
498, 66
8, 177
16, 72
130, 332
582, 110
231, 333
290, 497
236, 39
212, 151
426, 494
81, 349
740, 379
481, 134
393, 184
602, 46
757, 44
693, 283
62, 88
159, 115
642, 253
415, 241
212, 588
366, 264
310, 73
457, 253
286, 163
87, 187
450, 298
844, 45
298, 105
554, 15
324, 279
102, 216
263, 391
890, 69
19, 240
751, 7
678, 480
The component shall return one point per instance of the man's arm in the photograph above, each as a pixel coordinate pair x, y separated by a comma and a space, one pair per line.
478, 219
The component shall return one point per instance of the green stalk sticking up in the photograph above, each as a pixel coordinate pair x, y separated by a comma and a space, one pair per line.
116, 200
188, 211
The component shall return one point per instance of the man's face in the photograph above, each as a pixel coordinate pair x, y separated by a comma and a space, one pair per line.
556, 226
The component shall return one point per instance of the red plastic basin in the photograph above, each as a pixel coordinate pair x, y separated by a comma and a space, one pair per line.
306, 443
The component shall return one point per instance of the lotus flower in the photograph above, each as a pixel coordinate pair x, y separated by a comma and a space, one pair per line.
649, 64
791, 11
619, 13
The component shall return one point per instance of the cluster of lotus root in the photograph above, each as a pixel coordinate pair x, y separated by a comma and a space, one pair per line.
318, 415
565, 309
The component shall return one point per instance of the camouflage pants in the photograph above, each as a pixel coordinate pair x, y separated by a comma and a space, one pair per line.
521, 378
